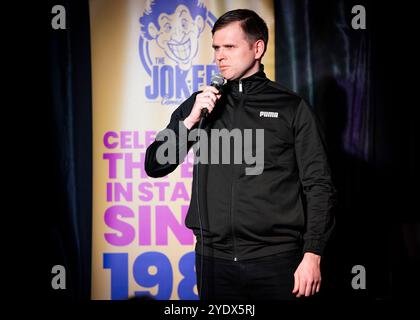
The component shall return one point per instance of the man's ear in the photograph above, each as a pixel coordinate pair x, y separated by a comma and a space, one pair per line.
259, 47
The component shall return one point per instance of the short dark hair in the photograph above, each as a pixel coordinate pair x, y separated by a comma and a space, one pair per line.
252, 24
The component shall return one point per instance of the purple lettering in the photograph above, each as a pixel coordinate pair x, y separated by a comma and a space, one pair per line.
107, 136
112, 166
111, 219
150, 137
162, 186
145, 193
165, 219
130, 165
115, 191
145, 237
125, 139
180, 192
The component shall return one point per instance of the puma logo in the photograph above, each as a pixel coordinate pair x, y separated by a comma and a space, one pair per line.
268, 114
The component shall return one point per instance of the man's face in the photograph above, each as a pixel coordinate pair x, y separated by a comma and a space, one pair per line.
234, 55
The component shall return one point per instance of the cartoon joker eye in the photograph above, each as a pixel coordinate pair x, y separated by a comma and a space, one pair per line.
184, 24
167, 27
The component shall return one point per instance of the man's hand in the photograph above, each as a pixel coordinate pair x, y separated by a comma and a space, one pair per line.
308, 275
206, 99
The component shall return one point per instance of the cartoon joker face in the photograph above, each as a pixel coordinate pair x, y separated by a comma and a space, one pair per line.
178, 35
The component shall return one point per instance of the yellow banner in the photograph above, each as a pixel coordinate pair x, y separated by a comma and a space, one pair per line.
147, 58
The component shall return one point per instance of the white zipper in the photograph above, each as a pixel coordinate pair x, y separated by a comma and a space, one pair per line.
240, 86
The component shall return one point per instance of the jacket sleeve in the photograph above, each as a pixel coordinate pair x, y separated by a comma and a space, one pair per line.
173, 142
315, 177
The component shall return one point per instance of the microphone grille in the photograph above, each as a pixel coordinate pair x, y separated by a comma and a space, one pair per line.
217, 80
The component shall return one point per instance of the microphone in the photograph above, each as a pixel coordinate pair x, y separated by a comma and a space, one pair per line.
217, 81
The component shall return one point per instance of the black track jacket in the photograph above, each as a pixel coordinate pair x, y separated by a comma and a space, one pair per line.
286, 207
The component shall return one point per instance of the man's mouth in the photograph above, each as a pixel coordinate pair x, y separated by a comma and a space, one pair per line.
182, 50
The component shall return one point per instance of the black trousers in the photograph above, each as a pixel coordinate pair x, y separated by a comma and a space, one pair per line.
266, 278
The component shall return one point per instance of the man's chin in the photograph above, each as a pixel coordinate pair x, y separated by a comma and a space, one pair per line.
228, 76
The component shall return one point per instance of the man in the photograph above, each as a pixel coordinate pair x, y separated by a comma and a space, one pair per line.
264, 234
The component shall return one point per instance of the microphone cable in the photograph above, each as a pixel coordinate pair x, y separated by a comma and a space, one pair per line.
217, 81
200, 126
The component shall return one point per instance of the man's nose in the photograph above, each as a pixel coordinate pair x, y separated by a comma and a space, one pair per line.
220, 55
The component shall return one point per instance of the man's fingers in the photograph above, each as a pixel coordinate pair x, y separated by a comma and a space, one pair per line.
308, 289
211, 89
302, 288
296, 287
313, 289
318, 286
208, 97
208, 106
205, 102
315, 285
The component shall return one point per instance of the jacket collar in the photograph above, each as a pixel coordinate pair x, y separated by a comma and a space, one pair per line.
249, 85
